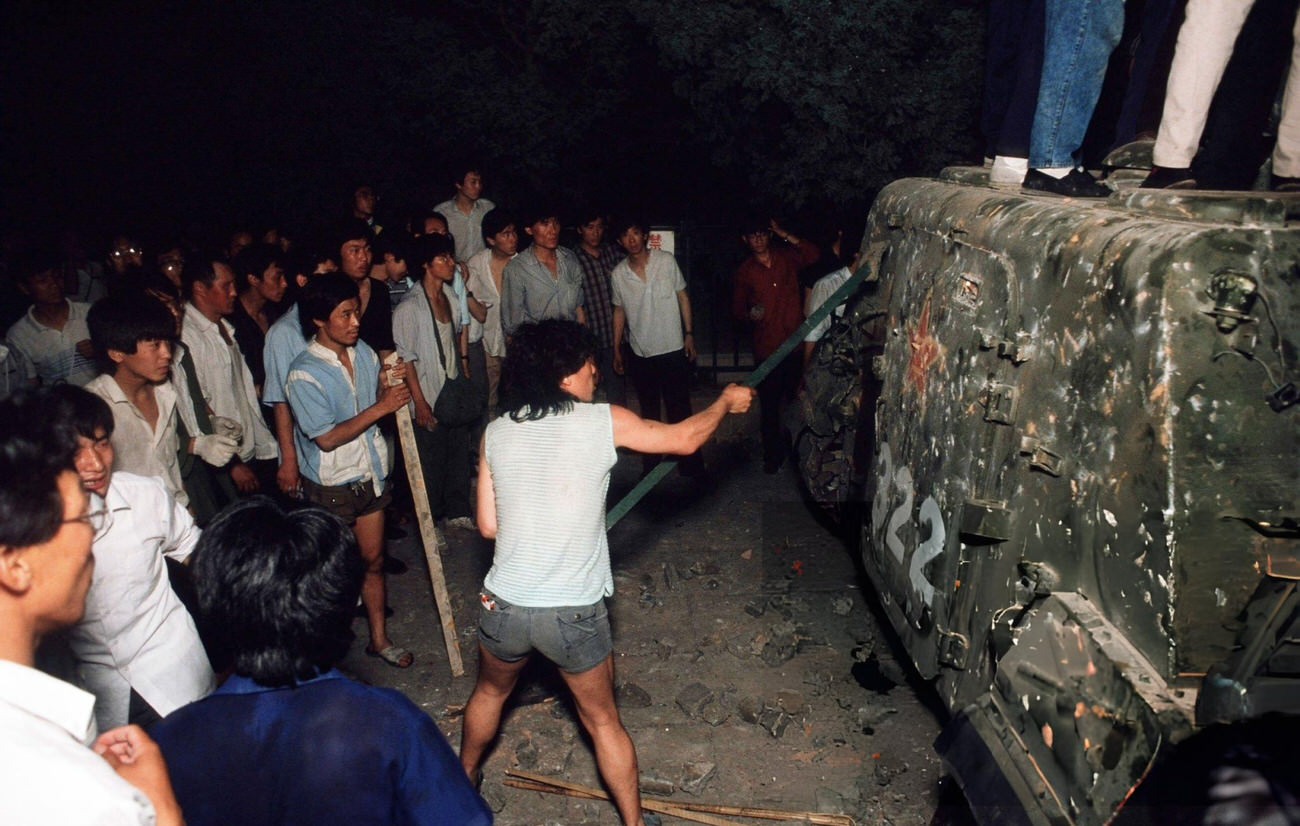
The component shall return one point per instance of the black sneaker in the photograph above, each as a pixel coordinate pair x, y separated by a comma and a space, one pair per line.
1169, 177
1077, 184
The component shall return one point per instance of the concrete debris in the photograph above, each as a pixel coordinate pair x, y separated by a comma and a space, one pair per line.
887, 768
750, 708
672, 581
842, 606
695, 776
705, 569
788, 606
631, 695
526, 755
738, 646
693, 698
789, 701
775, 721
755, 608
868, 717
862, 653
714, 711
783, 643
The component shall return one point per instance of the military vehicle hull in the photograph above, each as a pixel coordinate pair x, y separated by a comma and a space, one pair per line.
1072, 428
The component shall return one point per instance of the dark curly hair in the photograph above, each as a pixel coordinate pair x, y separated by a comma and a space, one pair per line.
540, 356
276, 589
38, 440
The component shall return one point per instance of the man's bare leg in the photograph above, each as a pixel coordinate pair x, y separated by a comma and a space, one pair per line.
369, 531
593, 692
496, 679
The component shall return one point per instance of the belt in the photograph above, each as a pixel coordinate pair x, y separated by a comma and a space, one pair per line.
358, 488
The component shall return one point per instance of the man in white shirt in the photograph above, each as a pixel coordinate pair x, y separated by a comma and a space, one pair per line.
133, 335
464, 212
47, 522
652, 307
486, 269
222, 373
50, 342
137, 648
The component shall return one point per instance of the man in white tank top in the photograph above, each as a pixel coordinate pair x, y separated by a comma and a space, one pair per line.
543, 472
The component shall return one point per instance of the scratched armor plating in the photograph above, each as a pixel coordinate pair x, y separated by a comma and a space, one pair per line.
1073, 429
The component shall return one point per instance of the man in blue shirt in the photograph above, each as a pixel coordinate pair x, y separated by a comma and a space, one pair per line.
336, 396
287, 739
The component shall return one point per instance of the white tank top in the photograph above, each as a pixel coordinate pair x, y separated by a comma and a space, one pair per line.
550, 477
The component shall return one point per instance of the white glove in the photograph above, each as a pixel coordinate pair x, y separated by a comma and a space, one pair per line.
223, 426
213, 449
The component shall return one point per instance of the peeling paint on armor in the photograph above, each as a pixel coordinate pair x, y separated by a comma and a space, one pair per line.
1064, 391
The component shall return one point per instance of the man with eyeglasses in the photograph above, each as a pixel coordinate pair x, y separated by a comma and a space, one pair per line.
47, 523
137, 648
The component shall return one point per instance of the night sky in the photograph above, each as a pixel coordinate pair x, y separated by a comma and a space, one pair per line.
170, 116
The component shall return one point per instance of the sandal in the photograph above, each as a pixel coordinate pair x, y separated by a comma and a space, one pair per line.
394, 655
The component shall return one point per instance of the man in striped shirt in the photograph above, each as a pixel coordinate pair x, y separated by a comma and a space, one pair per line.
543, 474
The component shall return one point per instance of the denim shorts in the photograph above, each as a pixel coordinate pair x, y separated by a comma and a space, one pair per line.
575, 638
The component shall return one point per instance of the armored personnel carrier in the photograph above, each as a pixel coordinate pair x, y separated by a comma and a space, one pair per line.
1071, 430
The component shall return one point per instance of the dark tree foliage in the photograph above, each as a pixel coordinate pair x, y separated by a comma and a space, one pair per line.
127, 113
823, 100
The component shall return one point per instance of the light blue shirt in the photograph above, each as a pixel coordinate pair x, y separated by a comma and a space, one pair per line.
284, 342
322, 395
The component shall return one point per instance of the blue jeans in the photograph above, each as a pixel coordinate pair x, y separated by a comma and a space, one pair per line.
1080, 35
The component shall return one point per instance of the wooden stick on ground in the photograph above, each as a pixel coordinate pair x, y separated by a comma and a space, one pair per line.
651, 804
428, 536
542, 782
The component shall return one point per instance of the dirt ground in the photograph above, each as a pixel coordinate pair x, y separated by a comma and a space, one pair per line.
751, 669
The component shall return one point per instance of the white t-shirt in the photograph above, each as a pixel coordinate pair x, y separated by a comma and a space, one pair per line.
226, 382
822, 290
135, 632
51, 355
48, 776
654, 318
550, 478
137, 447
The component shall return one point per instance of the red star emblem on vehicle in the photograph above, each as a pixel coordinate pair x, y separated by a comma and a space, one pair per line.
926, 350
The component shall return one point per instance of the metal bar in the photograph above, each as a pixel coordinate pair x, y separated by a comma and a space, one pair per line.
752, 380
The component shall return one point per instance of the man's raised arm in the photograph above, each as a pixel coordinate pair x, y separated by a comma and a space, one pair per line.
685, 437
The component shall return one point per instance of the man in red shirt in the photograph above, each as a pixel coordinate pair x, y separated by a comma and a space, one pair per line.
766, 293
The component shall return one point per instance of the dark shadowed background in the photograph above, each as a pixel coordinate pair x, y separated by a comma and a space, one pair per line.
121, 115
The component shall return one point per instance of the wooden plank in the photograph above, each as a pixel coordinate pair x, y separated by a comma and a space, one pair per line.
649, 804
428, 536
655, 804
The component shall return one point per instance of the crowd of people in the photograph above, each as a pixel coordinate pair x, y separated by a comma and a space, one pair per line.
216, 487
